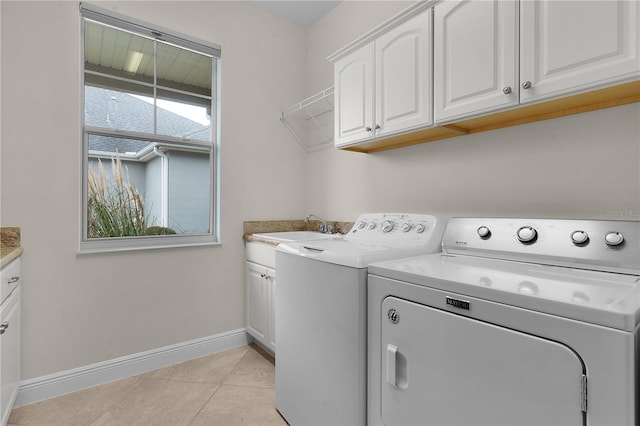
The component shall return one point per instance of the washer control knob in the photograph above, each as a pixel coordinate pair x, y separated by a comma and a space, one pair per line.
614, 239
484, 232
362, 224
406, 227
372, 225
387, 226
420, 228
579, 237
526, 234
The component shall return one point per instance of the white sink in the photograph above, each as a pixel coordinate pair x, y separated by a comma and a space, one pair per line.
296, 236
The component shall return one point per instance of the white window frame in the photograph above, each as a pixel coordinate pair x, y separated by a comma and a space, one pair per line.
112, 244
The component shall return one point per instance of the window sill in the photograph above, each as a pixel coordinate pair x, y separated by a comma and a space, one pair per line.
110, 245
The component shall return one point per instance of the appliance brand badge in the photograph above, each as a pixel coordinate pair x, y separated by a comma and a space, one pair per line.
461, 243
456, 303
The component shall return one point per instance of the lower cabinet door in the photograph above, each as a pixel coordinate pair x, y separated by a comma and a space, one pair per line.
440, 368
9, 352
260, 304
256, 315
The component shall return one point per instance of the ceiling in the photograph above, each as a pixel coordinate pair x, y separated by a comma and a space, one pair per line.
301, 12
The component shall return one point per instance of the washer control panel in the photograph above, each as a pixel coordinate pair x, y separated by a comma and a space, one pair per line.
398, 229
589, 244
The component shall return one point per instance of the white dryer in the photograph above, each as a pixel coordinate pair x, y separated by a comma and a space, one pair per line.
516, 322
321, 302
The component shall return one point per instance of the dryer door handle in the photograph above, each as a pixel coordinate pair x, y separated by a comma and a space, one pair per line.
392, 352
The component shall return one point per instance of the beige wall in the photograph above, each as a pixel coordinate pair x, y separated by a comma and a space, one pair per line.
78, 310
581, 166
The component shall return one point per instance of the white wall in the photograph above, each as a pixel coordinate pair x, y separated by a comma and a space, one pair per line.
581, 166
82, 309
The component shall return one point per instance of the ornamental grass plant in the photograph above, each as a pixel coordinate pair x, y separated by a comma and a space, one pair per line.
115, 207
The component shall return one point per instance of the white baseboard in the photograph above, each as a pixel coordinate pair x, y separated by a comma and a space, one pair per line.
50, 386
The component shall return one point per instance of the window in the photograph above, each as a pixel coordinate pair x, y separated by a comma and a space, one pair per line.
149, 136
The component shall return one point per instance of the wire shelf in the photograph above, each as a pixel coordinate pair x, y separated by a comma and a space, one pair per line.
311, 121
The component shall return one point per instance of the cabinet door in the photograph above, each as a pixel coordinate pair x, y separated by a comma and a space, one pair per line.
10, 353
570, 46
475, 57
403, 58
353, 92
271, 286
256, 301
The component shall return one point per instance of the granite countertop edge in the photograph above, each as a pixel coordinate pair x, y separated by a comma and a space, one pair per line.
10, 246
8, 254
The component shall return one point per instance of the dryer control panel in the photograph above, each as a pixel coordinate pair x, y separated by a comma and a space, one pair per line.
605, 245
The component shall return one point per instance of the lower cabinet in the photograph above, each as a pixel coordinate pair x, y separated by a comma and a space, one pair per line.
9, 338
260, 304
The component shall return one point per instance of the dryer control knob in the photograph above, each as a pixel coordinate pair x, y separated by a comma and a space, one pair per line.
406, 227
420, 228
614, 239
387, 226
527, 234
579, 237
372, 225
484, 232
362, 224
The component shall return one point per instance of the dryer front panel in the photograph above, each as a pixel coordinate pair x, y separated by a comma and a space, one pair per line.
440, 368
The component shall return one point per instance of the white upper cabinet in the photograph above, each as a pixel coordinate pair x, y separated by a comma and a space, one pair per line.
403, 58
384, 86
353, 96
569, 46
447, 68
564, 47
476, 54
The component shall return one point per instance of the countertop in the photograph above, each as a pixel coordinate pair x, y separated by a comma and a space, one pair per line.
10, 247
262, 226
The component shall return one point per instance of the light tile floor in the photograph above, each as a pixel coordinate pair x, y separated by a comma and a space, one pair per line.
234, 387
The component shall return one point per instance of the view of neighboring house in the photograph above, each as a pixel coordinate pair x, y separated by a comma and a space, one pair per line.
173, 180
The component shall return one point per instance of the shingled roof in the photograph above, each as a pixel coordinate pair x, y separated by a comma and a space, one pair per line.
117, 110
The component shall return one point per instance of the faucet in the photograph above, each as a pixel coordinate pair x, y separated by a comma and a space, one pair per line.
324, 227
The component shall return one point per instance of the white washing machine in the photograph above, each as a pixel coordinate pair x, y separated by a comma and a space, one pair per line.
516, 322
321, 314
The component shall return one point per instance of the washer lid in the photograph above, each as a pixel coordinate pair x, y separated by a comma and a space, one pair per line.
352, 253
602, 298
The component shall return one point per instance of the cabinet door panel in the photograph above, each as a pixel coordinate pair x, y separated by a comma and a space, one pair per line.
475, 48
353, 78
403, 76
256, 306
569, 46
10, 353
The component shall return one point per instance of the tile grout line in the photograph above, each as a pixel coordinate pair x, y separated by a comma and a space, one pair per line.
204, 405
116, 403
219, 386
